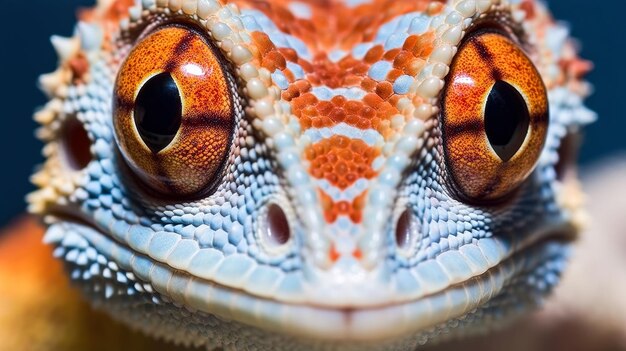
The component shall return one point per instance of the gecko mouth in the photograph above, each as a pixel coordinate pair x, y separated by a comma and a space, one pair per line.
453, 303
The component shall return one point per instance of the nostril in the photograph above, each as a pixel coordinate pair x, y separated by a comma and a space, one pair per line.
75, 144
277, 232
404, 230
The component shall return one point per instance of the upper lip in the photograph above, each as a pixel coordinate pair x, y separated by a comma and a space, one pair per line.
330, 321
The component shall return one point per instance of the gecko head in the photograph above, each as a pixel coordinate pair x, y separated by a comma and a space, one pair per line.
217, 169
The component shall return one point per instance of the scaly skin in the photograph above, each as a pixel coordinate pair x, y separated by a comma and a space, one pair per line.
336, 109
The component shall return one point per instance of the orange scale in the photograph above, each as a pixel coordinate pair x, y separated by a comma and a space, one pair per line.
263, 43
353, 80
374, 54
118, 10
338, 100
306, 122
364, 124
368, 112
391, 54
394, 74
303, 86
361, 69
274, 60
324, 107
306, 99
347, 62
338, 115
401, 59
351, 177
289, 75
79, 65
343, 207
352, 120
352, 106
414, 67
317, 122
368, 84
384, 90
410, 42
372, 100
327, 121
393, 100
309, 111
306, 65
346, 154
289, 54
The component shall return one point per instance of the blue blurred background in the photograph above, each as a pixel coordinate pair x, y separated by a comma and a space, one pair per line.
26, 53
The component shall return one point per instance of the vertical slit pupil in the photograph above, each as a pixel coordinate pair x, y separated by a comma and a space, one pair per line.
506, 119
158, 111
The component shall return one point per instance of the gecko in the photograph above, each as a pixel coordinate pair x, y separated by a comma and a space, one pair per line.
313, 174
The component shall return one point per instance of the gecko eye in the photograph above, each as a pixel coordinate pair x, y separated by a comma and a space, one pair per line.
174, 111
494, 117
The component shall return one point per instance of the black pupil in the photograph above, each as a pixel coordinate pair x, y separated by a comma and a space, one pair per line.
506, 119
158, 111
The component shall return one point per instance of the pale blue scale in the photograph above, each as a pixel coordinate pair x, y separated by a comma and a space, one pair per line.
161, 244
122, 256
457, 300
402, 84
359, 51
325, 93
204, 262
183, 252
234, 269
419, 24
411, 23
300, 10
159, 277
454, 264
336, 55
263, 280
355, 3
290, 285
491, 250
296, 69
279, 78
407, 284
379, 70
432, 275
395, 40
220, 238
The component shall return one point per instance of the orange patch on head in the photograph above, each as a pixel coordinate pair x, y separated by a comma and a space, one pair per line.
341, 160
344, 28
353, 210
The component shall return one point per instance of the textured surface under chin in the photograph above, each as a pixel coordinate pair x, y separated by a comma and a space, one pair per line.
526, 279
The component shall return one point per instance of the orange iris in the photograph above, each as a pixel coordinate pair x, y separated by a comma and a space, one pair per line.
174, 111
494, 117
